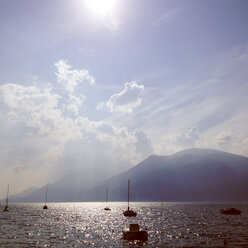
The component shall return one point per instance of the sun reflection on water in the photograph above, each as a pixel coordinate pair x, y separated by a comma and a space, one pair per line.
88, 225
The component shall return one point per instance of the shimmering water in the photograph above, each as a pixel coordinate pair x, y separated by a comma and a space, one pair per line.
88, 225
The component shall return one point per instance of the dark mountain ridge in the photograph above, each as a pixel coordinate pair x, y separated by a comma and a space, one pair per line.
189, 175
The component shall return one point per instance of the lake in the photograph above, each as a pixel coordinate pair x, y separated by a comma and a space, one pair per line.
88, 225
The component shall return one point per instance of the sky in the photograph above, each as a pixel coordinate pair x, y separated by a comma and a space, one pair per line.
92, 87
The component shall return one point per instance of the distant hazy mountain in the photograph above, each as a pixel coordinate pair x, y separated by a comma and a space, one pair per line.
189, 175
22, 194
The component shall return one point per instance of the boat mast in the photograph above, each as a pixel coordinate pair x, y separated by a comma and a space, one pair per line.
128, 193
106, 194
7, 199
46, 196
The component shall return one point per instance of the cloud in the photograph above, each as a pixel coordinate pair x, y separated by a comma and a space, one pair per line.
166, 17
52, 130
35, 108
73, 103
192, 112
28, 99
223, 138
189, 137
125, 101
30, 124
96, 154
70, 78
41, 138
36, 127
143, 143
36, 123
102, 150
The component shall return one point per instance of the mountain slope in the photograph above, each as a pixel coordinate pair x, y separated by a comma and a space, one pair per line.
189, 175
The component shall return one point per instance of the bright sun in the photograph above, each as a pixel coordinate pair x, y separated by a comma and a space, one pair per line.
101, 7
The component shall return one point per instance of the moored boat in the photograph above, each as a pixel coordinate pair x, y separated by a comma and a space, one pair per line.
107, 208
128, 212
231, 211
6, 207
133, 233
45, 206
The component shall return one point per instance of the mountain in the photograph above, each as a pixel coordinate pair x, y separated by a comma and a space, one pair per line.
24, 193
189, 175
21, 195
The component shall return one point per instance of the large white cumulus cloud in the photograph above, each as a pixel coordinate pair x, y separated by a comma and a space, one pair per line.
71, 82
27, 99
39, 137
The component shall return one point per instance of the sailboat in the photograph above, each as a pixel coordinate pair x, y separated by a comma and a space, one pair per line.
6, 208
45, 206
128, 212
107, 208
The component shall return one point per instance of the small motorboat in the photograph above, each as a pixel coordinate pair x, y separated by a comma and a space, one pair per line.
231, 211
133, 233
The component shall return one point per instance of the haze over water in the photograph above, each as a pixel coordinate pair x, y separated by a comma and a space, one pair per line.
88, 225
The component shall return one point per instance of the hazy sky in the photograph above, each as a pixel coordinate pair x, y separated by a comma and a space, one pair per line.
95, 88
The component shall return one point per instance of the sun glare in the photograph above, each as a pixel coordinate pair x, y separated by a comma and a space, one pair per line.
100, 7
